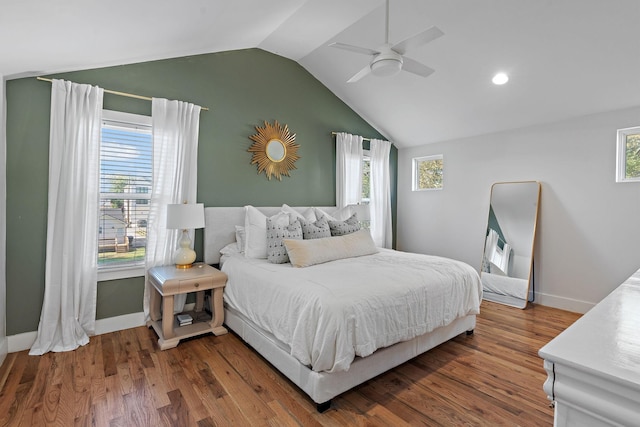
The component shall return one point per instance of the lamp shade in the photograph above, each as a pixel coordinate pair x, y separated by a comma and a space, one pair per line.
185, 216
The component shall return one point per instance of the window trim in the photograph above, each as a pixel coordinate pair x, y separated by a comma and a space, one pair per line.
414, 172
621, 154
137, 269
115, 273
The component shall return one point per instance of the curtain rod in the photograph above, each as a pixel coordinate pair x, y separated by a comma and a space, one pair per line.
114, 92
363, 138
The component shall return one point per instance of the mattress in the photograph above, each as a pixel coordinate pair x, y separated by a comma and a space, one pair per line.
328, 314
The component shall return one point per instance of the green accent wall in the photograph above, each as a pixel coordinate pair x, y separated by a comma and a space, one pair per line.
241, 88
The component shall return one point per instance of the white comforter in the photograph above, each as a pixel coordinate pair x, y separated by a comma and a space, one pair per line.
329, 313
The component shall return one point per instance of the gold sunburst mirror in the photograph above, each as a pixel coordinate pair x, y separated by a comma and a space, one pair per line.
274, 150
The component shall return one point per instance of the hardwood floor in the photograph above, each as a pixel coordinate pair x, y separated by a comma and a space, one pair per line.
493, 377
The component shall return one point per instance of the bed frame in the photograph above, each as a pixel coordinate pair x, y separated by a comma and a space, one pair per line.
321, 387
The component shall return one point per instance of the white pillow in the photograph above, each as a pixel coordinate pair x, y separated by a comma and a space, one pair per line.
255, 229
308, 214
336, 215
304, 253
230, 249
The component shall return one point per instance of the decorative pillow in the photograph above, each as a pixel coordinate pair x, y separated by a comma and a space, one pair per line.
276, 252
315, 230
340, 228
255, 229
308, 214
334, 215
304, 253
240, 238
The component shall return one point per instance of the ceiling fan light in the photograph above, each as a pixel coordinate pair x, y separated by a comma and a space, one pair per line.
386, 67
500, 79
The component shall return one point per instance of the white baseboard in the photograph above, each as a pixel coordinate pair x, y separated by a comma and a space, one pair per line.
22, 341
118, 323
25, 340
563, 303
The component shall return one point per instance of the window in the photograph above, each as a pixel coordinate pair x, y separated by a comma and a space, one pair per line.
366, 177
628, 155
125, 189
427, 173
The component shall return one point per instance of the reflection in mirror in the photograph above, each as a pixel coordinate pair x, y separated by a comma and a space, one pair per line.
508, 253
276, 150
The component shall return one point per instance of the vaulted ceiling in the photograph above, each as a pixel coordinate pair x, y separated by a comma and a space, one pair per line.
565, 58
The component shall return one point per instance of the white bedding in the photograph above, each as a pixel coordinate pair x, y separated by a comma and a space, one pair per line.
505, 285
326, 321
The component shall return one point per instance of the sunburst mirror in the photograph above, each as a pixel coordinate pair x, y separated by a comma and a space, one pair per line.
274, 150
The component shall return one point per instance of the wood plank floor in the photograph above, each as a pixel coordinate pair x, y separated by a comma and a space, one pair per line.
493, 377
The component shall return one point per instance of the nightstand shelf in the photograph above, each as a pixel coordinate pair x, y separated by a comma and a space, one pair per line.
168, 281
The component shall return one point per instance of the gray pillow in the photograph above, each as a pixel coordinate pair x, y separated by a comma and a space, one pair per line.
341, 228
315, 230
276, 251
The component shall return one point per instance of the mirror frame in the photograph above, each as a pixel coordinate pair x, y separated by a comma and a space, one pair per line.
530, 276
265, 160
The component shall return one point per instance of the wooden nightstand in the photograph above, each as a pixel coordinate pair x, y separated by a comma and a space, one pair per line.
168, 281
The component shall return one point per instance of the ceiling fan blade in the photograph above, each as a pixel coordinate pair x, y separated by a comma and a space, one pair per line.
415, 67
418, 40
360, 74
356, 49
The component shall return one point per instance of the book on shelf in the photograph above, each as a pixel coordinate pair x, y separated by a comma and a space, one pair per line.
184, 319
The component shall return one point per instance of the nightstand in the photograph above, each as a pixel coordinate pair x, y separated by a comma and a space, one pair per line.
168, 281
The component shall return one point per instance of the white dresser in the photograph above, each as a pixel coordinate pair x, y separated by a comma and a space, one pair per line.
593, 367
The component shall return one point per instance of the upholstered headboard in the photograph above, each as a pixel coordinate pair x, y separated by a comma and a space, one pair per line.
220, 227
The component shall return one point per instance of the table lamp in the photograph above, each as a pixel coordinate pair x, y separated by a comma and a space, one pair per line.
185, 217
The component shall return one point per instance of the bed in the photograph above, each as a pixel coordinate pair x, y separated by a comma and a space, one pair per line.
327, 348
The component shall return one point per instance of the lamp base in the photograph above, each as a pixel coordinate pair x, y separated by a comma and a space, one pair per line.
184, 256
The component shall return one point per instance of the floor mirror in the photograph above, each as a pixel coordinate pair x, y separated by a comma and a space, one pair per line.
507, 262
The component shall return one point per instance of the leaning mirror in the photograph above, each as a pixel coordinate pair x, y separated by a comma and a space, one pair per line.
274, 150
507, 261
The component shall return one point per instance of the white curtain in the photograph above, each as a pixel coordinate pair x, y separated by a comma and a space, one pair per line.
175, 170
348, 169
490, 245
71, 272
380, 195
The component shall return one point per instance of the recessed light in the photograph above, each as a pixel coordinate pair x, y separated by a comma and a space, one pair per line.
500, 79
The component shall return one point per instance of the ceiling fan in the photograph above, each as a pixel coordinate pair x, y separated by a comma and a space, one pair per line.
388, 60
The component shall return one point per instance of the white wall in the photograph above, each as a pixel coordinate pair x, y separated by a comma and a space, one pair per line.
588, 239
3, 222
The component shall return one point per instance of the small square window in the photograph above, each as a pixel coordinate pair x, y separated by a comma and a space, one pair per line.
427, 173
628, 155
